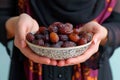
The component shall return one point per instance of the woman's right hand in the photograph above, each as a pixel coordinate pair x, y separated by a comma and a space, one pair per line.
24, 25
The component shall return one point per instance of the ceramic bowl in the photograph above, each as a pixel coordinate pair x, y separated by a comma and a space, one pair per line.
58, 53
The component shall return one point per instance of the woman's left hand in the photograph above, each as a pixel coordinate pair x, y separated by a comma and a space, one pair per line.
99, 38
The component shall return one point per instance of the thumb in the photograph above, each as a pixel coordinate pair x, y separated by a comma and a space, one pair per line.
20, 34
96, 39
23, 26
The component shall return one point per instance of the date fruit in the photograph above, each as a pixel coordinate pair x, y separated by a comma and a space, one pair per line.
59, 35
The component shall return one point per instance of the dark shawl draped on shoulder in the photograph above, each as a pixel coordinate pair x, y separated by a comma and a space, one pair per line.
73, 11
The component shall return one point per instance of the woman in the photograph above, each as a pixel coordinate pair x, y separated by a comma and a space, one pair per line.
102, 17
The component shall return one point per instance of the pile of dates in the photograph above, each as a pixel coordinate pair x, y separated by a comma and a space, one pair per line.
59, 35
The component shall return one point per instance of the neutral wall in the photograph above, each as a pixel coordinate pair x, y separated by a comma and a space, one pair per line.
5, 61
115, 64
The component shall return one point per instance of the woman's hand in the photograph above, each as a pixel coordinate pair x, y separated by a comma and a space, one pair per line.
99, 38
24, 25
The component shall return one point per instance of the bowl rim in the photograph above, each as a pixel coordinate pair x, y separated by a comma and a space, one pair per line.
52, 48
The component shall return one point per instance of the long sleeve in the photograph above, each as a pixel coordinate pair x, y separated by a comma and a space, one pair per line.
113, 26
105, 52
113, 42
7, 10
3, 37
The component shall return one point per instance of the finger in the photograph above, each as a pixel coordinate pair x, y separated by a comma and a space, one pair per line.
53, 62
61, 63
20, 34
23, 26
82, 58
35, 26
90, 27
34, 57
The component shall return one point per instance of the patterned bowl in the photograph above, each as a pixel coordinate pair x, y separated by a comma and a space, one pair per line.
58, 53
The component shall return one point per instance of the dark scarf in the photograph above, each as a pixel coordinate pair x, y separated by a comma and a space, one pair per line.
73, 11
